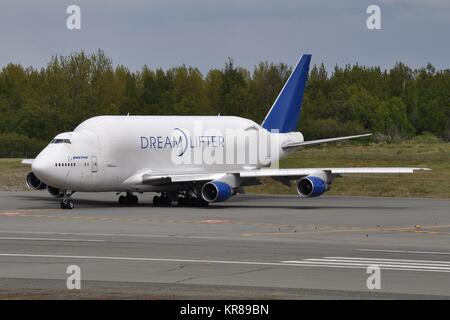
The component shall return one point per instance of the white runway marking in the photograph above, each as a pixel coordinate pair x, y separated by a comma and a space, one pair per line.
67, 233
406, 261
94, 234
405, 251
140, 259
327, 262
386, 264
124, 235
51, 239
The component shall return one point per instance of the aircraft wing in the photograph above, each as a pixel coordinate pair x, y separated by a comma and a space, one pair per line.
27, 161
319, 141
294, 173
157, 178
180, 178
153, 178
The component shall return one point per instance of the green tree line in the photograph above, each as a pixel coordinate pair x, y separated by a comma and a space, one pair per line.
36, 104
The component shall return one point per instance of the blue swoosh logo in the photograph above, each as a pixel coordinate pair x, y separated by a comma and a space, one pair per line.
185, 139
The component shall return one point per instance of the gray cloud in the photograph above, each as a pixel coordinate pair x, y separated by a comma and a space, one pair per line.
203, 33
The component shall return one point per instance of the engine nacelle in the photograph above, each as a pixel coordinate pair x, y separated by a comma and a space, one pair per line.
34, 183
55, 192
216, 191
313, 185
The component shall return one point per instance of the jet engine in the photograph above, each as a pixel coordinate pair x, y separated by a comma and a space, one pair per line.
55, 192
34, 183
313, 185
216, 191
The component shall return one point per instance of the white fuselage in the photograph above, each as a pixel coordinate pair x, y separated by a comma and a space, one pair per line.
103, 152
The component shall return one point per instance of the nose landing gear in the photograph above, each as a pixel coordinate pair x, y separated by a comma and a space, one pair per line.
66, 202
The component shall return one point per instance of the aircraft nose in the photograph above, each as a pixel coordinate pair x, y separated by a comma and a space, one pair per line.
41, 167
38, 166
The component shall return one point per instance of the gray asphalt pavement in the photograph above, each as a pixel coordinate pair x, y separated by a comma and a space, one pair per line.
253, 246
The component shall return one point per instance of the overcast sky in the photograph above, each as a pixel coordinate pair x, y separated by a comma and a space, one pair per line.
203, 33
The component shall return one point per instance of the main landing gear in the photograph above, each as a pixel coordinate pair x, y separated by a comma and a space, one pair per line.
128, 199
164, 200
189, 201
184, 199
66, 202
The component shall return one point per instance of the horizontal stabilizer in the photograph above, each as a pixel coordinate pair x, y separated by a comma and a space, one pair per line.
315, 142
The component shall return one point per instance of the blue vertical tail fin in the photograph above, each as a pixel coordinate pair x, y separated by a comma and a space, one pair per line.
285, 112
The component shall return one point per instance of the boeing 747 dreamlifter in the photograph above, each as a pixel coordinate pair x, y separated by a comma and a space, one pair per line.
191, 160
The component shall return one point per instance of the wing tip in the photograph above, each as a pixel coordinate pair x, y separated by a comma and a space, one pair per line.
27, 161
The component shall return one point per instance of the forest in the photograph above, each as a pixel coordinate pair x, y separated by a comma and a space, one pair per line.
394, 104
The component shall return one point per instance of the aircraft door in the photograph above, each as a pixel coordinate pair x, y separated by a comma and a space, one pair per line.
94, 164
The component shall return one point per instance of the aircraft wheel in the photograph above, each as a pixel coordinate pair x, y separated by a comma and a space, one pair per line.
162, 201
134, 200
202, 202
181, 201
70, 204
156, 201
189, 201
198, 202
67, 204
167, 202
122, 200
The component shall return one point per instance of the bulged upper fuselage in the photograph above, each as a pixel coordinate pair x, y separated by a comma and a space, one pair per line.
102, 152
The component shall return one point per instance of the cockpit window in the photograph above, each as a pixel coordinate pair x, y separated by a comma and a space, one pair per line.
61, 141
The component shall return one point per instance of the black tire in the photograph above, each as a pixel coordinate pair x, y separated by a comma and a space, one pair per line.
192, 202
122, 200
181, 201
156, 201
70, 204
135, 200
62, 205
202, 202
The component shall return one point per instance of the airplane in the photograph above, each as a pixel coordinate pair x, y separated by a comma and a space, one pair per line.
137, 154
